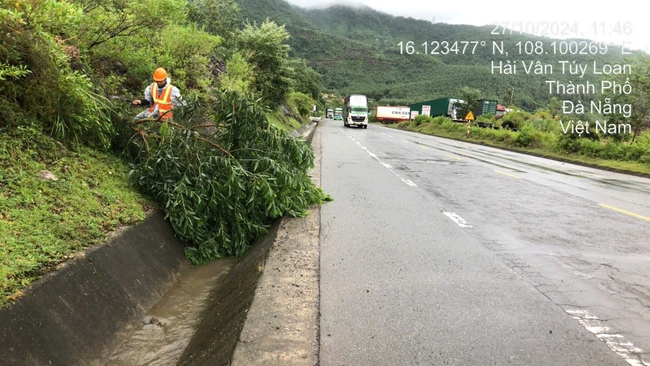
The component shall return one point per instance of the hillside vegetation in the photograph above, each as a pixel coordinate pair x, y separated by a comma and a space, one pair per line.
357, 51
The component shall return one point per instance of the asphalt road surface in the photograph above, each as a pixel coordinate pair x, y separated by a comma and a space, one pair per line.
438, 252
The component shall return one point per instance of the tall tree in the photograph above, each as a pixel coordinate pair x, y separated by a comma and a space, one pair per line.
106, 20
305, 79
267, 51
219, 17
470, 97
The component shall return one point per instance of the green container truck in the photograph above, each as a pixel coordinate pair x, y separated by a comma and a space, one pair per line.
485, 106
437, 107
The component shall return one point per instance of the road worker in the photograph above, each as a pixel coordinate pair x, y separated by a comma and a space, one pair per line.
161, 97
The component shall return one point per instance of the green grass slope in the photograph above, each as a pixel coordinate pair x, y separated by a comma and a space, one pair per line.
44, 221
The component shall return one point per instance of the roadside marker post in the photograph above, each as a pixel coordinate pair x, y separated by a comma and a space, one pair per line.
469, 118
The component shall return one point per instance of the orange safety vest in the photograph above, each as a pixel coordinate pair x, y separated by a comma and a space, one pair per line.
164, 103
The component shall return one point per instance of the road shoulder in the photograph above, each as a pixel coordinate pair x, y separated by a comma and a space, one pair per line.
282, 324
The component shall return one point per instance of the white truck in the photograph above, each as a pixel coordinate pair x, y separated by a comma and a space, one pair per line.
355, 111
392, 114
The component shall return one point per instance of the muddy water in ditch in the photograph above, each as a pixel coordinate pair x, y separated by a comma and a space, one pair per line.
167, 328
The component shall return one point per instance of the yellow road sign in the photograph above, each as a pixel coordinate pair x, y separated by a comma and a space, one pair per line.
469, 116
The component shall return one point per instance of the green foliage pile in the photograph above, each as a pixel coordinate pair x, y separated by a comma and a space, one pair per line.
222, 184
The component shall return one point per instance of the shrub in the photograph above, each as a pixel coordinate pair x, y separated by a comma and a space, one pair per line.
300, 102
643, 138
404, 125
428, 128
440, 120
516, 117
544, 124
420, 119
503, 136
527, 136
567, 143
645, 159
56, 96
632, 151
611, 150
188, 50
449, 125
590, 147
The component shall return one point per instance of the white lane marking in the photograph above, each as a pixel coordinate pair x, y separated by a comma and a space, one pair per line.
458, 220
616, 342
387, 166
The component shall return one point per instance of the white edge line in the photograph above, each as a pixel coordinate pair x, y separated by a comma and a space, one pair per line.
616, 342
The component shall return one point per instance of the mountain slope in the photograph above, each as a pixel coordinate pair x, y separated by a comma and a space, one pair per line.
358, 50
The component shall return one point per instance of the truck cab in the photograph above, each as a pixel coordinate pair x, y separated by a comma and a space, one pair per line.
355, 111
338, 114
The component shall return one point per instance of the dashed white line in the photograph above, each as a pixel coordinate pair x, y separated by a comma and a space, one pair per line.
387, 166
615, 341
458, 220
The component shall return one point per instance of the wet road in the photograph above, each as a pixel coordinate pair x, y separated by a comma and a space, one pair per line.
437, 252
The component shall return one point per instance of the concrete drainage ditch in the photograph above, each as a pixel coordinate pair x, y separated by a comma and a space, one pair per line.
93, 310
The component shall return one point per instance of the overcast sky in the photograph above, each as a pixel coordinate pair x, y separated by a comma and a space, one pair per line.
550, 11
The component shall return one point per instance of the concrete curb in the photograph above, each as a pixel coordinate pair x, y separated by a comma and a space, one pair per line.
306, 132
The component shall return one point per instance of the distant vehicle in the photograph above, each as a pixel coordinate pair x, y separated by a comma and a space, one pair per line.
485, 106
338, 114
439, 107
329, 113
355, 111
501, 111
392, 114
